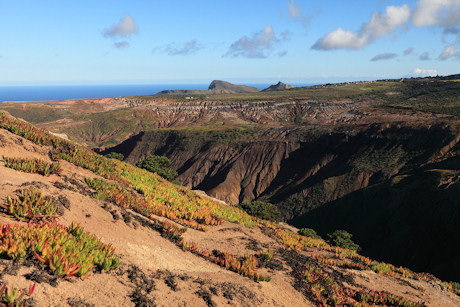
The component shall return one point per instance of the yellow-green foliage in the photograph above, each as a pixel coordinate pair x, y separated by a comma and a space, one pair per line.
294, 241
247, 266
29, 205
325, 291
11, 296
66, 251
161, 196
33, 166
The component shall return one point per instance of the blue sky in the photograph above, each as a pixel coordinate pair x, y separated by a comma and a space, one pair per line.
247, 41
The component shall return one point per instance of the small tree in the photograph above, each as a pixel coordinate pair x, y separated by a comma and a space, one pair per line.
342, 238
261, 210
308, 232
159, 165
115, 155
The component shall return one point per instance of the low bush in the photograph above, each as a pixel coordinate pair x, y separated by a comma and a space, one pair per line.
159, 165
308, 232
342, 238
115, 155
261, 210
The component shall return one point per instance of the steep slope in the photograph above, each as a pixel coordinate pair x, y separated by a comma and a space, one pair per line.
299, 174
161, 265
399, 220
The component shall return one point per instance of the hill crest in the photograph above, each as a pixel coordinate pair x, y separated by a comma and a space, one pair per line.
278, 86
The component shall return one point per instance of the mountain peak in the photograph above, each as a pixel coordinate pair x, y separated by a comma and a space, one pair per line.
279, 86
224, 87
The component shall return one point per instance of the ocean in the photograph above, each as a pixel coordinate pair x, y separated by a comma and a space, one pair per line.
63, 92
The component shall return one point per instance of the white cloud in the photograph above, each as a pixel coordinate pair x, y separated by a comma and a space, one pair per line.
379, 26
384, 56
255, 46
341, 39
424, 56
125, 27
295, 12
437, 12
449, 52
408, 51
419, 72
186, 49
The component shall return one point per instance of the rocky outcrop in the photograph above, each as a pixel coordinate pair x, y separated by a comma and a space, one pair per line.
278, 86
223, 87
216, 87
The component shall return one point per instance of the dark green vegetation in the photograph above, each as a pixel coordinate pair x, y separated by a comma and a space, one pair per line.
261, 210
159, 165
308, 232
342, 238
115, 155
437, 95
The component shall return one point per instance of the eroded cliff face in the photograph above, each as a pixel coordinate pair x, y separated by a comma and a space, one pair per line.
395, 188
293, 168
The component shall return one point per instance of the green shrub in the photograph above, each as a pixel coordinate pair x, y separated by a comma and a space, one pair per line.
159, 165
342, 238
456, 288
308, 232
115, 155
261, 210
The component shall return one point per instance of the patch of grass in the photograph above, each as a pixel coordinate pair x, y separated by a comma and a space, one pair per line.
428, 95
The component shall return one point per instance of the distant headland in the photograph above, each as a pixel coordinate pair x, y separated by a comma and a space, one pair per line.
224, 87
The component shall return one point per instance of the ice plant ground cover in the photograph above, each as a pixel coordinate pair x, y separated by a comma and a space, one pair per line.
29, 205
66, 251
33, 166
